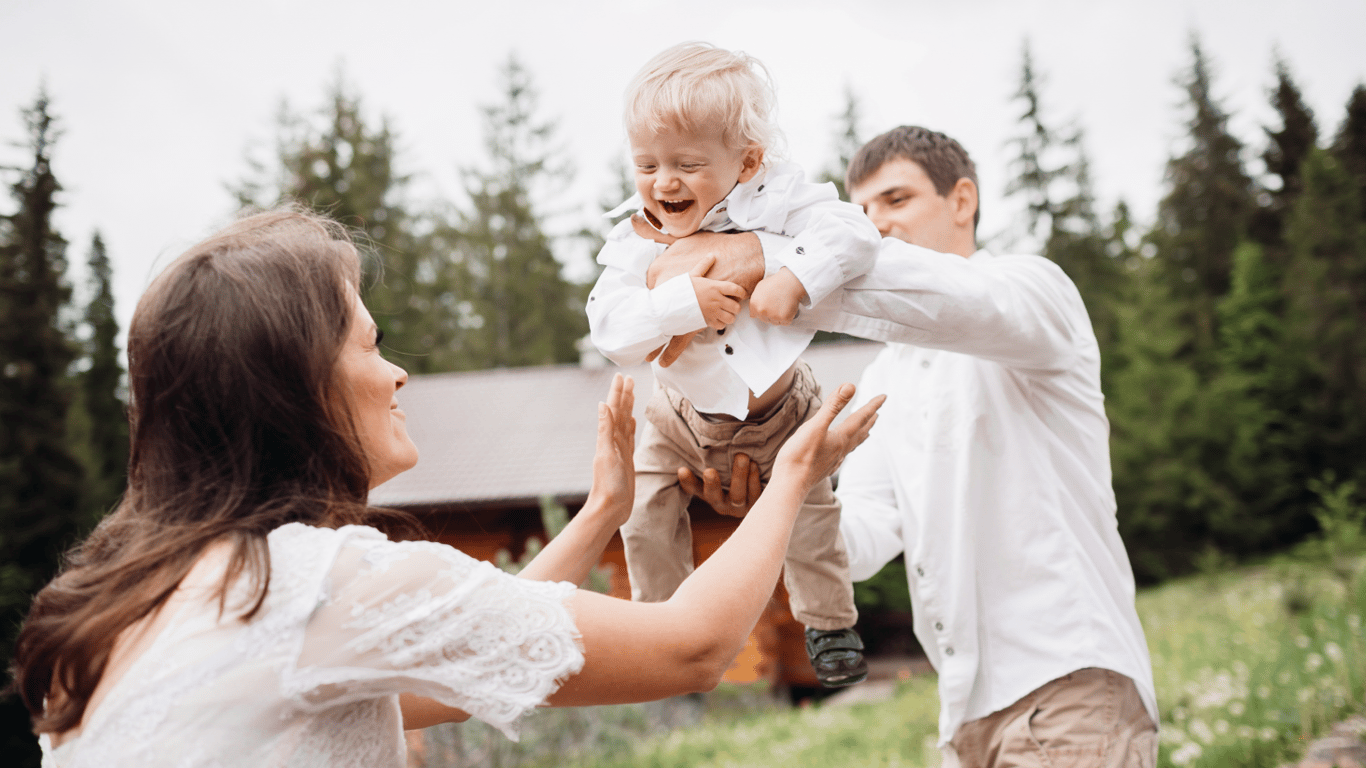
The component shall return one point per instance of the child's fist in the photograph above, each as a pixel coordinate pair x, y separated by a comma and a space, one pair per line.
777, 297
720, 300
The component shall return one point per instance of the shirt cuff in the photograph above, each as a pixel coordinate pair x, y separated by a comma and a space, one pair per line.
772, 245
818, 271
676, 306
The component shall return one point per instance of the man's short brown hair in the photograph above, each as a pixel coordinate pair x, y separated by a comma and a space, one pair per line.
943, 159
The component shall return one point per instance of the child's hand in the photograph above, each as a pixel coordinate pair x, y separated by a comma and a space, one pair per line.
777, 297
719, 300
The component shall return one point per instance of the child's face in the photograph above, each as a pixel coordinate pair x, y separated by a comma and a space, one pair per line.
682, 175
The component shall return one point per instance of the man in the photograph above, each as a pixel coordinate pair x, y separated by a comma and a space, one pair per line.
988, 470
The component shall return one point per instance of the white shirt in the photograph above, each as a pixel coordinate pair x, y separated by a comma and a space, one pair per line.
350, 621
989, 467
833, 242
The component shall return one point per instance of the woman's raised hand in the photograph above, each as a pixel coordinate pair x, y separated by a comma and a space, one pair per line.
614, 470
816, 450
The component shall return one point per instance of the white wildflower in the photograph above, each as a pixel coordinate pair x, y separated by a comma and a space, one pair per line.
1333, 651
1221, 727
1302, 641
1267, 734
1354, 621
1313, 662
1187, 753
1246, 733
1263, 692
1305, 694
1284, 677
1201, 731
1236, 708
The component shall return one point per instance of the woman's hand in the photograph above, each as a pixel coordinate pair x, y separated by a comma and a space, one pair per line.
614, 469
815, 450
572, 554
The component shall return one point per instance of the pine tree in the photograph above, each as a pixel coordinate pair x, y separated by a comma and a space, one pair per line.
340, 165
1284, 154
1052, 173
1326, 289
847, 141
1256, 443
1205, 213
520, 310
100, 385
40, 481
1158, 415
1349, 146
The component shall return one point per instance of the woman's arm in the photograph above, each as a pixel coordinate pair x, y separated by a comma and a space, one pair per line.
644, 651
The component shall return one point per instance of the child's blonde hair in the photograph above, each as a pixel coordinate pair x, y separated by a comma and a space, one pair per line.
693, 86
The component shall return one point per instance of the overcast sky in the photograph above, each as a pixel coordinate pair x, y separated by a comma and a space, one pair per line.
161, 101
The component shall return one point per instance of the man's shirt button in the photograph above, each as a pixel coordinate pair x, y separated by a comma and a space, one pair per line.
948, 651
729, 351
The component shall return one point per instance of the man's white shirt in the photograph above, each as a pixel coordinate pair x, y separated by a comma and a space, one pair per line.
823, 241
989, 467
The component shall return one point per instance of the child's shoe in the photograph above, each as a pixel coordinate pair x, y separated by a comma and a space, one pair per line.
837, 656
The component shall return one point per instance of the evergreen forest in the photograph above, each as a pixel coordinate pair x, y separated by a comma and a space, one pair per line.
1230, 319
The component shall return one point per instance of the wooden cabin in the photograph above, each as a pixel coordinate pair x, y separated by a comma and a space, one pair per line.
493, 443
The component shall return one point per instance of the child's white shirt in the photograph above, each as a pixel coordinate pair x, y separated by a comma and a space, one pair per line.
831, 242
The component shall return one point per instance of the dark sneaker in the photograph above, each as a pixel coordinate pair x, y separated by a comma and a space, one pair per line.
837, 655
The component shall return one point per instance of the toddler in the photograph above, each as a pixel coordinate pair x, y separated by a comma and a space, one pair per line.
702, 140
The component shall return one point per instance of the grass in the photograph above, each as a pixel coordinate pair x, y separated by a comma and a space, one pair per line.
1249, 664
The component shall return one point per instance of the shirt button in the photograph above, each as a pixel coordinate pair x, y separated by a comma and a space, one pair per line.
939, 625
919, 571
729, 351
760, 189
924, 363
800, 250
948, 651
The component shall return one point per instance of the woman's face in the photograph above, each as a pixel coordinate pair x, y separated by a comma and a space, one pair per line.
371, 382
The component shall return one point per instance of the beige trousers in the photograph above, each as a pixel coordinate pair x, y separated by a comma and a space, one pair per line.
1092, 718
658, 536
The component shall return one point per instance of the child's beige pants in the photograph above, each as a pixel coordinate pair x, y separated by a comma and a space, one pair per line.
658, 538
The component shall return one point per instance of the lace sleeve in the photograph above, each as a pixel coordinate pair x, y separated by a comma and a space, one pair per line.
424, 618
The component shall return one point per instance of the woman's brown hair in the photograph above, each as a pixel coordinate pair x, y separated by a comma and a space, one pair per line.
236, 428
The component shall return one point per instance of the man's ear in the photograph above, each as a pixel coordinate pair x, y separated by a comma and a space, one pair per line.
751, 161
963, 197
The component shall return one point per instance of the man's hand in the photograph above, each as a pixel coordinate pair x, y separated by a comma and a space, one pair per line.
670, 352
738, 257
744, 486
777, 297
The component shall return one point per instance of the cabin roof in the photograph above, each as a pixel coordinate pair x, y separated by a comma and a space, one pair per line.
512, 435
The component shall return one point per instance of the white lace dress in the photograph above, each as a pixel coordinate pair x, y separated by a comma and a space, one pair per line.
350, 621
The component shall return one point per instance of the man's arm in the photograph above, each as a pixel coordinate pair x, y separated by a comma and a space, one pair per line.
1019, 311
736, 258
739, 256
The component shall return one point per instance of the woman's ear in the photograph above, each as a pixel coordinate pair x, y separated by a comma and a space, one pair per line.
751, 162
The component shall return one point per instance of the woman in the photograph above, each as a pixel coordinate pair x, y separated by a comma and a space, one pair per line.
239, 609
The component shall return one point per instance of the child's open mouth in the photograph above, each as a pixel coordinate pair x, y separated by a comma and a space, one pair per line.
676, 206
